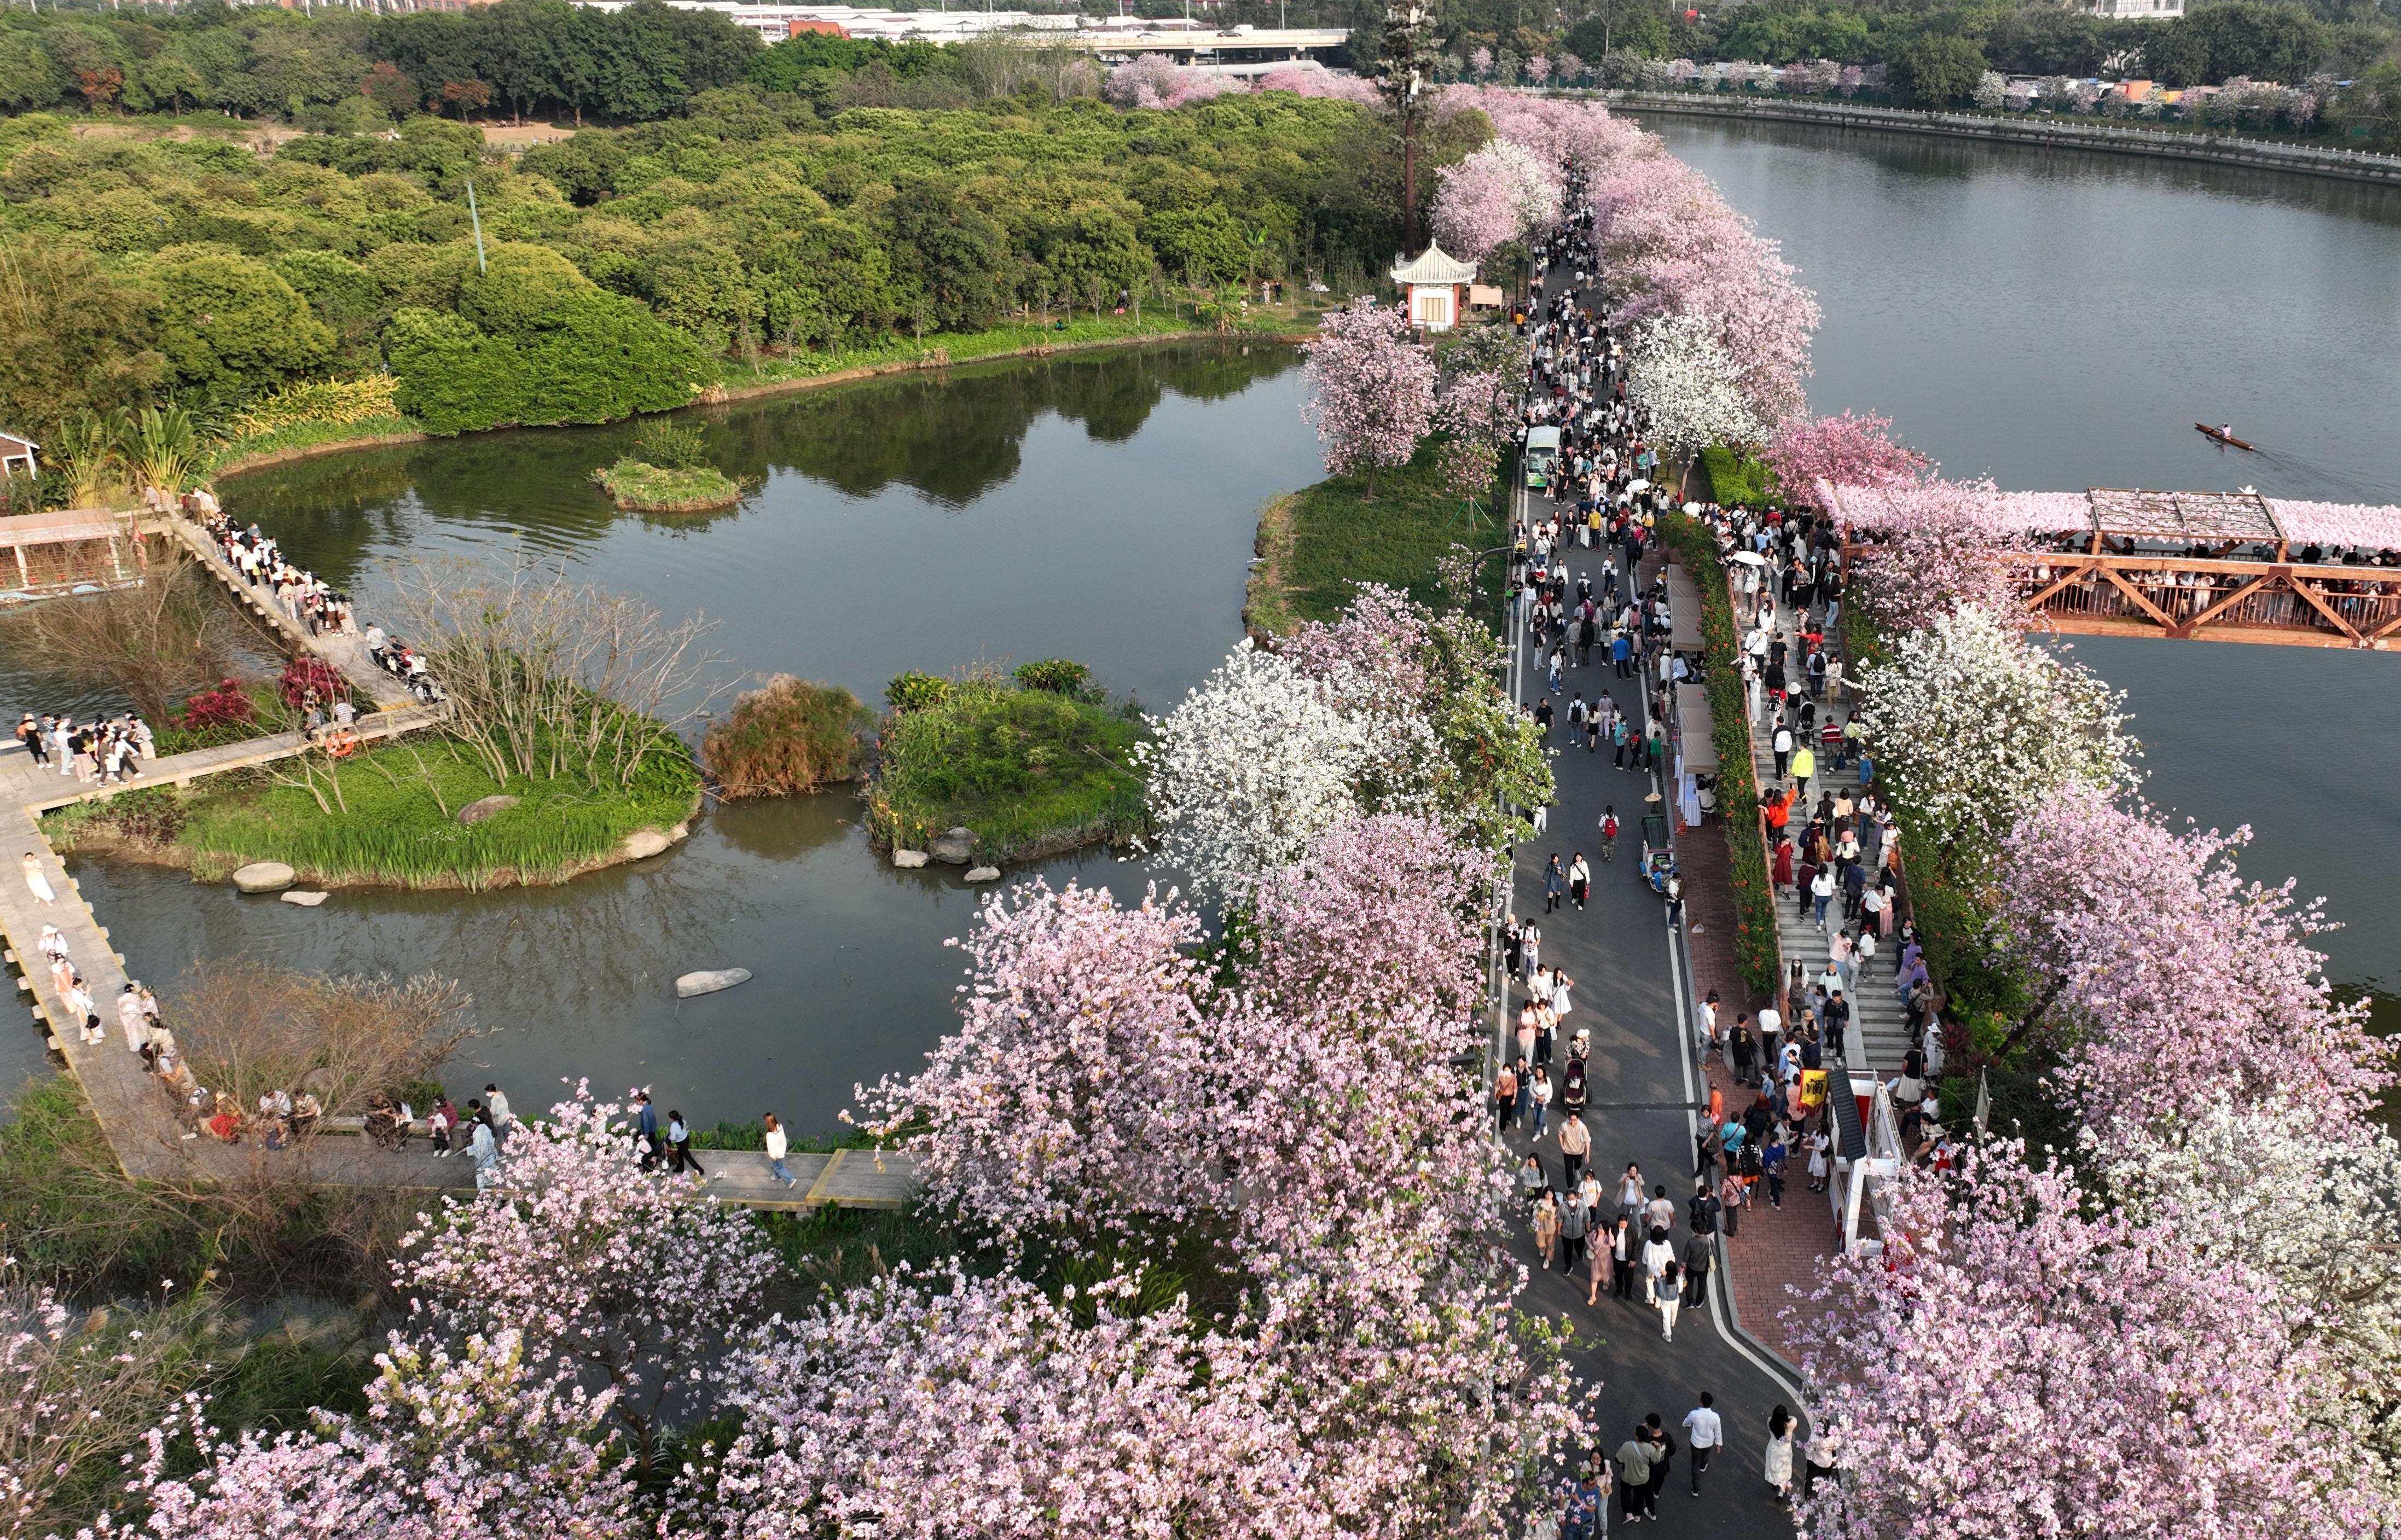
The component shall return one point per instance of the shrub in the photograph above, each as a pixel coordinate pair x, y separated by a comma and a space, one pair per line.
301, 676
792, 736
1059, 676
320, 401
1030, 771
674, 445
915, 691
227, 706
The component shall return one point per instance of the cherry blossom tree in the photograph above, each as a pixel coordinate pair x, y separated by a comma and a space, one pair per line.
1152, 82
1976, 730
1372, 391
1497, 195
470, 1441
1677, 367
1846, 451
1538, 70
2171, 980
1248, 768
633, 1277
2030, 1361
1935, 547
1070, 1098
72, 1390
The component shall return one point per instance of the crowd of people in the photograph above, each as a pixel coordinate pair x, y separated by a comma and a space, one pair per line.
107, 751
312, 603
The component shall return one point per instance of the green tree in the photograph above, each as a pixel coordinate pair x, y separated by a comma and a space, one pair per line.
29, 78
392, 89
230, 325
1936, 72
1637, 27
344, 295
72, 338
454, 379
2243, 37
946, 252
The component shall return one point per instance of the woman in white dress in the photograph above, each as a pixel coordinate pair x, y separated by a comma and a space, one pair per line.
1819, 1144
1779, 1454
39, 884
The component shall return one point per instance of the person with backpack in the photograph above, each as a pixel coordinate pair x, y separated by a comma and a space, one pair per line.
1608, 832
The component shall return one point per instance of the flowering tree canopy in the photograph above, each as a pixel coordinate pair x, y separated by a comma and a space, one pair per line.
1678, 367
1977, 729
2033, 1362
1372, 389
2174, 982
1495, 196
1152, 81
1844, 451
1939, 546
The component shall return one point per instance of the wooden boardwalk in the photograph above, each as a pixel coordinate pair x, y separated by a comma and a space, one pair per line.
134, 1110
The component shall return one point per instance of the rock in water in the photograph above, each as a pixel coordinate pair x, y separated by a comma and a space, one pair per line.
953, 847
307, 901
908, 860
644, 843
983, 874
264, 877
483, 807
711, 981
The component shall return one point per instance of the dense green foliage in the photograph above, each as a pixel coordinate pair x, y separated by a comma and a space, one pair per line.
390, 816
667, 490
1755, 945
1735, 478
625, 270
1030, 770
790, 736
1322, 542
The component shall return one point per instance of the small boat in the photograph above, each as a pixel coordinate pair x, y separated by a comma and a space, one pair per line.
2224, 437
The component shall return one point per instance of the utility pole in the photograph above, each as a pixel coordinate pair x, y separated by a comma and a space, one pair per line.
477, 221
1401, 78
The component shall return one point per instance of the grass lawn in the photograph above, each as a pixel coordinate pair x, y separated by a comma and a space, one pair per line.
1031, 771
394, 821
1320, 543
664, 489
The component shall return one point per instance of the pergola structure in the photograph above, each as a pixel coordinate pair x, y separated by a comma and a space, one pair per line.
66, 551
2207, 566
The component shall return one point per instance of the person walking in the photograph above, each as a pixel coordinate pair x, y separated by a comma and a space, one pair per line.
1697, 1250
486, 1151
1554, 885
777, 1146
1663, 1452
496, 1109
646, 1130
680, 1156
1504, 1098
37, 884
1634, 1478
1575, 1143
1547, 1227
1603, 1241
1704, 1431
1778, 1460
1804, 765
1623, 1259
1583, 1508
1573, 1220
1579, 881
1670, 1290
1542, 1094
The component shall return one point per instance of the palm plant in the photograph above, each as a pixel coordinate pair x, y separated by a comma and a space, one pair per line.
90, 449
165, 449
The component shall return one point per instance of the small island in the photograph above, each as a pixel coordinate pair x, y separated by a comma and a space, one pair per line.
1034, 762
667, 473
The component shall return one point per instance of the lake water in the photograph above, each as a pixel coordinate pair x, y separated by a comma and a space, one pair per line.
2060, 320
2057, 320
1099, 507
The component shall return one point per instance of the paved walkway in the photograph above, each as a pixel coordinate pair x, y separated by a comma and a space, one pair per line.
1644, 1095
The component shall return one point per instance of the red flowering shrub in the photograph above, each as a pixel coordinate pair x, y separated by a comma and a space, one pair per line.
304, 674
229, 706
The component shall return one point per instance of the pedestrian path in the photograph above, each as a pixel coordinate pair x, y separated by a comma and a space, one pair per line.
1879, 1029
345, 652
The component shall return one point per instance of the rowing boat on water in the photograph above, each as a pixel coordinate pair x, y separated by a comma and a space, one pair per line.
2224, 437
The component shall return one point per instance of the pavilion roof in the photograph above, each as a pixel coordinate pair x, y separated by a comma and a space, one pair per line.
2184, 515
1433, 265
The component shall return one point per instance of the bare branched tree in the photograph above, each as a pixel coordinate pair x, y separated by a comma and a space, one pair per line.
247, 1027
158, 642
549, 678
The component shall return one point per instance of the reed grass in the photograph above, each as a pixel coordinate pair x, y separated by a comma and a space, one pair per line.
1031, 771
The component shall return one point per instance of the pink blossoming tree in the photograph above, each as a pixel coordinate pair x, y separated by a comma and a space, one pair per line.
1372, 391
1846, 451
1497, 195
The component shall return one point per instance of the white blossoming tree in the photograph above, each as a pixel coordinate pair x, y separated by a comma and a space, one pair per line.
1977, 729
1252, 766
1679, 368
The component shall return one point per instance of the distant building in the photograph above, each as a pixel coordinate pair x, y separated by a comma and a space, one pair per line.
1433, 281
2132, 10
17, 455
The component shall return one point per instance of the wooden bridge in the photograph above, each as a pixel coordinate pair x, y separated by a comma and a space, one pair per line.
2210, 567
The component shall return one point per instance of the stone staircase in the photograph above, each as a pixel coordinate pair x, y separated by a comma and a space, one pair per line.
1878, 1036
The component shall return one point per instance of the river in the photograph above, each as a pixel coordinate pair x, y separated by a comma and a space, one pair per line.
2059, 320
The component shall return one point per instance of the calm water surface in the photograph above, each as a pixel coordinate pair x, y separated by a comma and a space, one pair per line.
1098, 507
2060, 320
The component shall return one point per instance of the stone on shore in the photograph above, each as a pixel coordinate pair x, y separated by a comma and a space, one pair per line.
709, 981
644, 843
908, 860
307, 901
483, 807
264, 877
953, 847
983, 874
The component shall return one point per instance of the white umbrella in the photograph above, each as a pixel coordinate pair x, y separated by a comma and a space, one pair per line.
1637, 486
1748, 558
1691, 508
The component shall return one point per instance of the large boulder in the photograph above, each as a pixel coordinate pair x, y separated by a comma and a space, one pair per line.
953, 847
483, 807
644, 843
264, 877
908, 860
709, 981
